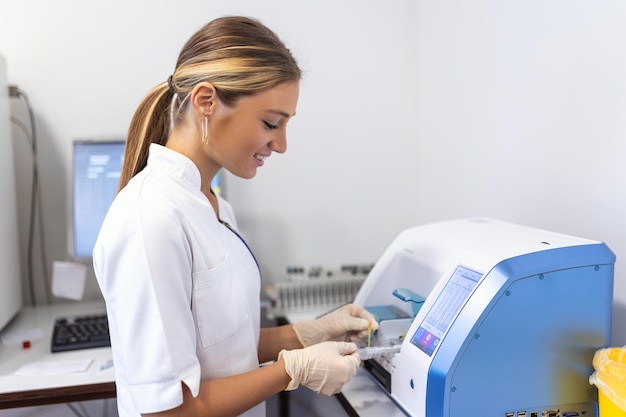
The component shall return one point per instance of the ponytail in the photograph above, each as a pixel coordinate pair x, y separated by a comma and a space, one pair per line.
148, 125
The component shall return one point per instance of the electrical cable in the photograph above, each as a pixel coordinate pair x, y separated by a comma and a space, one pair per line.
35, 180
75, 410
42, 239
42, 246
82, 407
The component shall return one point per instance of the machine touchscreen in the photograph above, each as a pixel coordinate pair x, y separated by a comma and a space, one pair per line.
447, 306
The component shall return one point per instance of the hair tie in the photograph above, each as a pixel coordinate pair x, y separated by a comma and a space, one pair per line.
170, 85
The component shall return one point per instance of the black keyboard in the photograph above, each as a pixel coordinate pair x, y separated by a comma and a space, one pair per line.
80, 332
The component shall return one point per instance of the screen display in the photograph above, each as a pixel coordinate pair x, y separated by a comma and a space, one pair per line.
97, 166
217, 183
445, 309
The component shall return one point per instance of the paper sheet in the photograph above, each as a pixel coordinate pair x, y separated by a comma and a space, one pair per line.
54, 368
19, 336
68, 280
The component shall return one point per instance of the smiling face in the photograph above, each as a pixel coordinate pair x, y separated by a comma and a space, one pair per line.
242, 137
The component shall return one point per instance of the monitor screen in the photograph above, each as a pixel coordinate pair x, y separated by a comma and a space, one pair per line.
217, 184
96, 169
445, 309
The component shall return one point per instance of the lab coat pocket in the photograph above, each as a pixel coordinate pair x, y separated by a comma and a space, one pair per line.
215, 304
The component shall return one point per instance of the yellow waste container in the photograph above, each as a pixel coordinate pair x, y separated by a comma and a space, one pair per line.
610, 378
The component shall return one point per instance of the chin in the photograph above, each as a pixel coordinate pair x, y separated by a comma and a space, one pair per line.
248, 175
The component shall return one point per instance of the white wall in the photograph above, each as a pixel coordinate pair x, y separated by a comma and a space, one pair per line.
410, 112
521, 115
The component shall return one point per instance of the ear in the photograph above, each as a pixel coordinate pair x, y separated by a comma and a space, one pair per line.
204, 99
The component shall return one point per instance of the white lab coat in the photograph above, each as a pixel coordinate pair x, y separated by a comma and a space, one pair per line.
181, 289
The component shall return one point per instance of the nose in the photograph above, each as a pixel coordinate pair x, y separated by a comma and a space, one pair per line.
279, 143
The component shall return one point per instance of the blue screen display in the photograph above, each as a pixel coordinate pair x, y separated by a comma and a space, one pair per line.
445, 309
97, 166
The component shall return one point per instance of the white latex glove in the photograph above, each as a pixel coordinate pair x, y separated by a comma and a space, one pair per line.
348, 323
323, 368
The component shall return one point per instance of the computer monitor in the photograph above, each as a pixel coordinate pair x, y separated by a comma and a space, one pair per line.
96, 169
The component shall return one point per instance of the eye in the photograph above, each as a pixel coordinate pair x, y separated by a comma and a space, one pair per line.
270, 126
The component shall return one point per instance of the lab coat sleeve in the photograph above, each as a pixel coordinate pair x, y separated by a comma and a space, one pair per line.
143, 264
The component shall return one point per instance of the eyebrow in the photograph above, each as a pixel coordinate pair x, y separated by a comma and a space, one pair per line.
282, 113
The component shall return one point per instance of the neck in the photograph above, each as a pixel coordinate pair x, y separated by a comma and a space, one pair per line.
212, 199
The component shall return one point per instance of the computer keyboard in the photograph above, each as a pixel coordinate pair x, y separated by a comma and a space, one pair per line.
80, 332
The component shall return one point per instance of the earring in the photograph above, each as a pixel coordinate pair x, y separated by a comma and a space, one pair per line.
205, 131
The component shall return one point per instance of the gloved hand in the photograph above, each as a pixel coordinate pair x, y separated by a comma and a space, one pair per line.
323, 368
348, 323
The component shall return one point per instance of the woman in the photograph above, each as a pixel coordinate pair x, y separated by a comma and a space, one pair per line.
181, 285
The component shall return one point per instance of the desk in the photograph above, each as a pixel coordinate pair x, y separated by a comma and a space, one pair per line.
25, 391
360, 397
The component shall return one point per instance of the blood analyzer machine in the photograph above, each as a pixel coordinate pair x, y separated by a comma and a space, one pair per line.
479, 317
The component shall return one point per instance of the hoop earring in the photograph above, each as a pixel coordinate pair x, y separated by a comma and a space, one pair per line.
205, 131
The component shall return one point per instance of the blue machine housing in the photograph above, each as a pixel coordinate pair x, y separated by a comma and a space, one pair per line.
536, 316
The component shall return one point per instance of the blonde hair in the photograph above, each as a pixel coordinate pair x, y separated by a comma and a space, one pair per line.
238, 55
